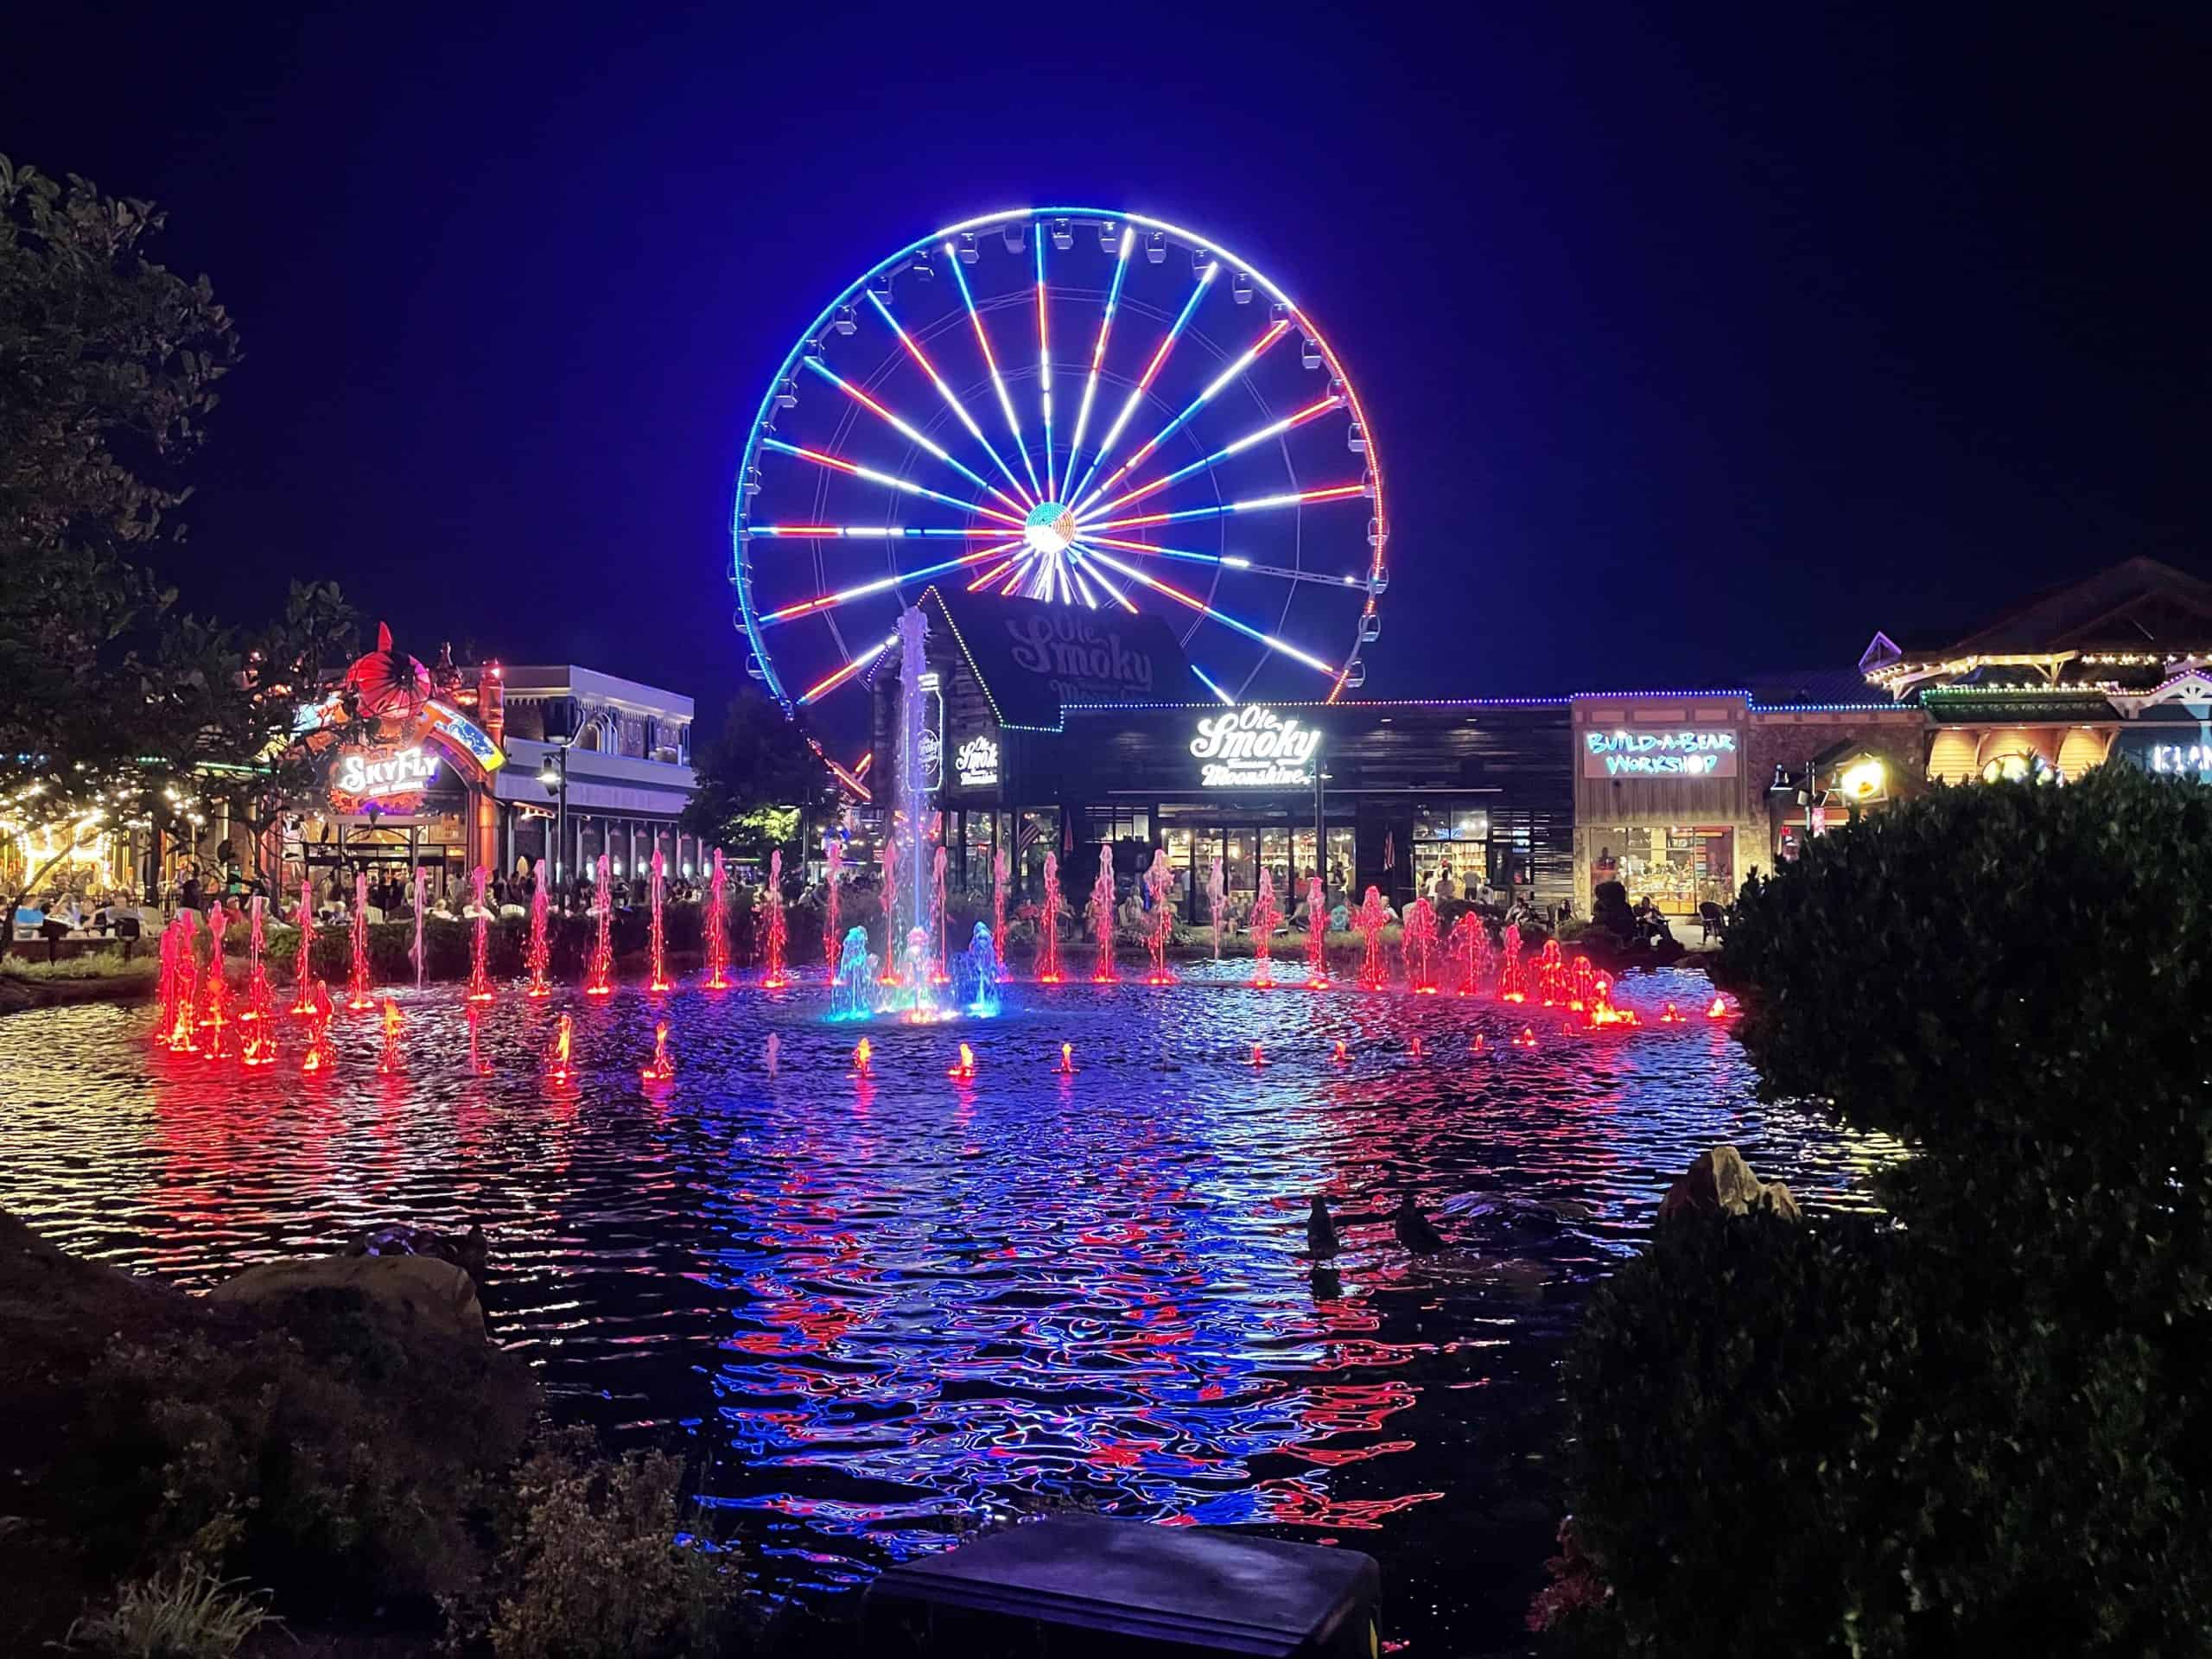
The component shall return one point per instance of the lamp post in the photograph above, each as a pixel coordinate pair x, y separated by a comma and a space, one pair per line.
553, 774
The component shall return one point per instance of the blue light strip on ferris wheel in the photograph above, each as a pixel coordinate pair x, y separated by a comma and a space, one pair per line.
1098, 351
1251, 355
1271, 641
1200, 675
990, 361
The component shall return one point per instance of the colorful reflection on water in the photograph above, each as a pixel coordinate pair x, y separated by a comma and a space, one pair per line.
885, 1308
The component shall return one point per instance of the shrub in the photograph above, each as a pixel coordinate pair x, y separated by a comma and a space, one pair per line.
596, 1565
324, 1460
1985, 1430
184, 1612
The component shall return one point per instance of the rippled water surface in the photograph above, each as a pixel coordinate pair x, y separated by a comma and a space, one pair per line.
884, 1308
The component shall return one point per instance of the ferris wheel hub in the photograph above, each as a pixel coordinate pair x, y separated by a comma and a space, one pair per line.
1050, 527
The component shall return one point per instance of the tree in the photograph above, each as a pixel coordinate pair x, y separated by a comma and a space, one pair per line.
108, 363
755, 779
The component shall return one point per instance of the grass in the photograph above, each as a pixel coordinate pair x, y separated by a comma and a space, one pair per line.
186, 1612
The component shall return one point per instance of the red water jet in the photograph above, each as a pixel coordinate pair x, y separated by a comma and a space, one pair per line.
480, 977
599, 980
663, 1068
772, 976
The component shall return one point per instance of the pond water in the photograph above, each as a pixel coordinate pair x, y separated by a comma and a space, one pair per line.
882, 1310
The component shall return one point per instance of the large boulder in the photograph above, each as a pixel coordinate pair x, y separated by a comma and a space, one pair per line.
1719, 1182
416, 1294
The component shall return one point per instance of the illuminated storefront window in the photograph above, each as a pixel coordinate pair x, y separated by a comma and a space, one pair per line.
1678, 867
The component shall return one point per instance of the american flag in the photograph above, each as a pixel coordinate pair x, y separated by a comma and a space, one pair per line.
1391, 851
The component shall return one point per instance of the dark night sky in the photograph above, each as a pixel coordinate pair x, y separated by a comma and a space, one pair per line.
1694, 345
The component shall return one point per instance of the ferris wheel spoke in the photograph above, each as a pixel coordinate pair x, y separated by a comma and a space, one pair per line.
1193, 601
910, 432
1314, 411
1043, 355
1098, 350
1151, 373
1207, 680
991, 362
1238, 366
1099, 577
868, 532
951, 399
839, 464
846, 595
822, 688
1231, 560
1253, 503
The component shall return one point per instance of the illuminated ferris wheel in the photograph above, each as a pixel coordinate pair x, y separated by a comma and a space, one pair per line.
1067, 406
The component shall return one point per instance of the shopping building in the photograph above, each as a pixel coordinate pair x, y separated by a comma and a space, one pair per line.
2115, 667
1051, 729
478, 765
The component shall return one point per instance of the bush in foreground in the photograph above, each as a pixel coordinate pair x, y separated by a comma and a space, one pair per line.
1984, 1430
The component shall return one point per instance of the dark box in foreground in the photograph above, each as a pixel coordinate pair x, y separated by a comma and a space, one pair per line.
1078, 1586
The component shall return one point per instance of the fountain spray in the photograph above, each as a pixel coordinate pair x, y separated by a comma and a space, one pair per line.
257, 971
914, 790
1101, 910
717, 927
1158, 878
663, 1069
1001, 868
940, 974
1469, 946
1317, 935
389, 1063
1374, 916
890, 907
657, 981
303, 995
357, 988
1266, 912
320, 1055
1048, 925
1217, 893
558, 1069
422, 878
833, 861
773, 977
541, 953
599, 980
1418, 946
480, 977
1512, 980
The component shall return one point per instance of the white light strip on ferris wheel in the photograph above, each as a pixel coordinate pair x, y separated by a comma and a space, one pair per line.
908, 432
845, 595
1269, 640
1251, 504
946, 392
990, 361
838, 463
1312, 411
1151, 372
1251, 355
1099, 577
1098, 351
1233, 561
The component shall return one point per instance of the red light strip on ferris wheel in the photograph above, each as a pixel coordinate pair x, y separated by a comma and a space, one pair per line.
838, 463
1152, 370
823, 687
945, 391
909, 432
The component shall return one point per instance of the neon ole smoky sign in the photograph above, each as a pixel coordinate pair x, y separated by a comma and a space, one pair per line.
1254, 747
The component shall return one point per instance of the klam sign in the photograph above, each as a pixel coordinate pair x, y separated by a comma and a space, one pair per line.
976, 763
1254, 747
1623, 753
388, 780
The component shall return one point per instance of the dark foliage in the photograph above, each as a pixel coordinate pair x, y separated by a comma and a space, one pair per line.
1984, 1430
